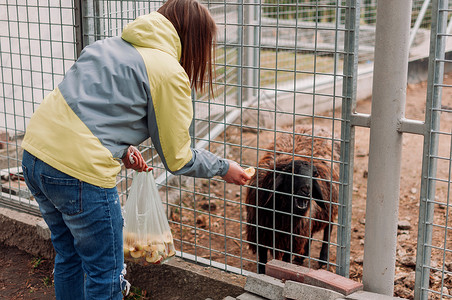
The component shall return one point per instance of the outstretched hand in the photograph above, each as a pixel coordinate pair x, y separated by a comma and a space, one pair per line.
236, 174
134, 160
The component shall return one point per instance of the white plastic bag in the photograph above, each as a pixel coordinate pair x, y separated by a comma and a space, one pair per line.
147, 235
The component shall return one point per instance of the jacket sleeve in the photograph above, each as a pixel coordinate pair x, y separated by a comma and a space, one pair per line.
169, 120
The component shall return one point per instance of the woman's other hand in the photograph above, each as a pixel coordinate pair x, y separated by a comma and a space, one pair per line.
134, 160
236, 174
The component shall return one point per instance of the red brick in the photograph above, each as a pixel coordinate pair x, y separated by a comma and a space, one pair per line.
320, 278
286, 271
332, 281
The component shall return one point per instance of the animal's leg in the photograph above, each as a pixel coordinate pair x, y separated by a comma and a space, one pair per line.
325, 246
300, 259
262, 258
286, 256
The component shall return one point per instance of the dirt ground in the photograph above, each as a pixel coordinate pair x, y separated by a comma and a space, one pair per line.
23, 276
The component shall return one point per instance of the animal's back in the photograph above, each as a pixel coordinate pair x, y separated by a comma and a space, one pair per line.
300, 142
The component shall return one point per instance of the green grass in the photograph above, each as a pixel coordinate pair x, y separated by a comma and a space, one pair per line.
47, 281
36, 262
136, 294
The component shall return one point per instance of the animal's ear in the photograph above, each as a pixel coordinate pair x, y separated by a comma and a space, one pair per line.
280, 176
278, 180
317, 194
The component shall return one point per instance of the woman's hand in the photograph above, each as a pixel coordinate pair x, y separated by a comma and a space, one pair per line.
134, 160
236, 174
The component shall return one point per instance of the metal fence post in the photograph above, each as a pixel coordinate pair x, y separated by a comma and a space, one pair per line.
431, 144
388, 107
78, 25
351, 36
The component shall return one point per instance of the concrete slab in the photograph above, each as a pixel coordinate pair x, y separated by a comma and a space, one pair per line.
265, 286
249, 296
43, 230
20, 230
300, 291
362, 295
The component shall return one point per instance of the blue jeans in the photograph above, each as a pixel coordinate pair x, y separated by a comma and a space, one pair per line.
86, 229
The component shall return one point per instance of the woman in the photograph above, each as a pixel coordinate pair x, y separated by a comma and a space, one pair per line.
121, 91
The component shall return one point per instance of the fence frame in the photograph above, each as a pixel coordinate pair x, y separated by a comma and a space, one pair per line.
348, 141
431, 141
377, 257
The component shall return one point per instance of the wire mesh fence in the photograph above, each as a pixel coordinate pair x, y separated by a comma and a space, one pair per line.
279, 64
434, 251
37, 46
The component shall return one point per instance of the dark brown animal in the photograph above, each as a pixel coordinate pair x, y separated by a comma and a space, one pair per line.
281, 217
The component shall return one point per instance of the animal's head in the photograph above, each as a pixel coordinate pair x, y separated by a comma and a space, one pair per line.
297, 178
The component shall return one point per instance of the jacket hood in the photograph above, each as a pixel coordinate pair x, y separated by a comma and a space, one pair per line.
153, 31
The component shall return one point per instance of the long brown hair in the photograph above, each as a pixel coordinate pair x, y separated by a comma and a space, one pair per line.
197, 31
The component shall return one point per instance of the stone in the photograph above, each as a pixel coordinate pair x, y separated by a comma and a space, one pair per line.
265, 286
408, 261
249, 296
359, 259
43, 230
404, 225
402, 291
300, 291
362, 295
409, 280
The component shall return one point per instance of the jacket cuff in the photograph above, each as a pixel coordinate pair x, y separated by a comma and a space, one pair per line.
224, 167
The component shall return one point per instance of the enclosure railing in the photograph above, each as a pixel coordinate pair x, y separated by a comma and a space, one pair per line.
436, 169
279, 63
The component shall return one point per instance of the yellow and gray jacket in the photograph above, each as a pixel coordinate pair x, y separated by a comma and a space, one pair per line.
121, 91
